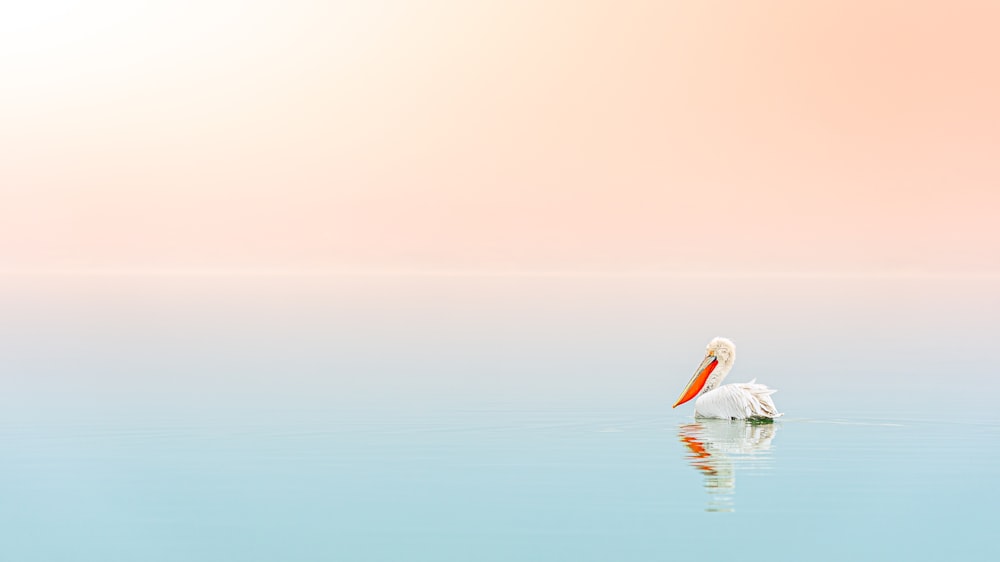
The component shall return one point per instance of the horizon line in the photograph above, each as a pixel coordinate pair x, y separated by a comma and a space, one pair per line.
472, 272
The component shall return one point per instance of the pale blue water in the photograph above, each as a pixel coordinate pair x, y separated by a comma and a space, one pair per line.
493, 419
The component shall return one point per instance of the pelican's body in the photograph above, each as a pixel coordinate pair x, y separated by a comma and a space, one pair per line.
731, 401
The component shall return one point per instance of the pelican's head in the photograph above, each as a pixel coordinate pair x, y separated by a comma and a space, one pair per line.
722, 349
720, 353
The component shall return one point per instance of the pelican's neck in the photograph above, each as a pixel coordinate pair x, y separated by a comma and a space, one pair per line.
715, 379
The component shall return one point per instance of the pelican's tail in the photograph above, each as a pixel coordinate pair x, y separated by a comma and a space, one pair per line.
758, 402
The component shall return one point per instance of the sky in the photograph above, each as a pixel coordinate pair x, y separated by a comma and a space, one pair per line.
713, 136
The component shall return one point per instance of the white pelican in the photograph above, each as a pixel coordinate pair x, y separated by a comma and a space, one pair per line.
738, 401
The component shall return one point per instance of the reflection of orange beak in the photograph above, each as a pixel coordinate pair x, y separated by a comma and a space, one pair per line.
700, 457
699, 379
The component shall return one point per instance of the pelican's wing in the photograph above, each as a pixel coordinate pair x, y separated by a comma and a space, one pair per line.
740, 401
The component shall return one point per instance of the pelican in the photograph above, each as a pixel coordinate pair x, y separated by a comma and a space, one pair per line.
750, 401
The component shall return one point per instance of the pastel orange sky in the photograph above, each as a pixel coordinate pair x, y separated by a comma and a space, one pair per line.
626, 135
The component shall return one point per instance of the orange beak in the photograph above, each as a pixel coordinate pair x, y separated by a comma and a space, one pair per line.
699, 379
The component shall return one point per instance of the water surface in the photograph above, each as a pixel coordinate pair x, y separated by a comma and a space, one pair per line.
493, 419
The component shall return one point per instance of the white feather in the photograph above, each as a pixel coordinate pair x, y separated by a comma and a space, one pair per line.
737, 401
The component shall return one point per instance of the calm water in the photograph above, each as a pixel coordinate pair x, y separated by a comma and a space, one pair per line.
468, 418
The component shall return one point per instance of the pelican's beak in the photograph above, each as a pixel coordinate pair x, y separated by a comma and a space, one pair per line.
699, 379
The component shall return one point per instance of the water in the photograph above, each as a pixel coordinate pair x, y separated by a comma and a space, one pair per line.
481, 418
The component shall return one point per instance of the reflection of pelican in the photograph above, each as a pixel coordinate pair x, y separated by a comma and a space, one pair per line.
732, 401
717, 447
